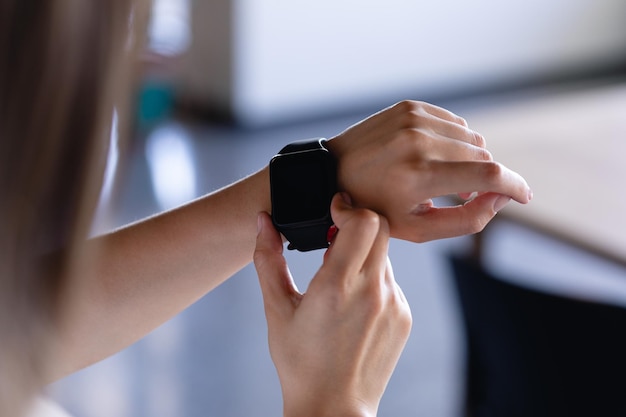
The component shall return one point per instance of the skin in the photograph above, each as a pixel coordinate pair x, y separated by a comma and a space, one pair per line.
397, 160
393, 163
336, 346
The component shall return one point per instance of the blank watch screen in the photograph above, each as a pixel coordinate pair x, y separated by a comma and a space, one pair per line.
302, 186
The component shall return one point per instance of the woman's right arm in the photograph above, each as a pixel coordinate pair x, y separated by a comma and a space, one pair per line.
336, 346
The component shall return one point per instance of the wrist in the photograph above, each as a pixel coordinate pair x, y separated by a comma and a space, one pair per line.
331, 412
323, 406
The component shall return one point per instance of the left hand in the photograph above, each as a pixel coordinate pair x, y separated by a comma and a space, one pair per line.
396, 161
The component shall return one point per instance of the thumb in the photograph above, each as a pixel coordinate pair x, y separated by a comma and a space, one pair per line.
489, 204
280, 295
445, 222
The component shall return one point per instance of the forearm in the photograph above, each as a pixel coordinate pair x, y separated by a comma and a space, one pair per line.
148, 272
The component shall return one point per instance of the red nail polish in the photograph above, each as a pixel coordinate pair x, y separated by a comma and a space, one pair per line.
332, 232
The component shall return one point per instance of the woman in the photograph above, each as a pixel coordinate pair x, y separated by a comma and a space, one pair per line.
67, 302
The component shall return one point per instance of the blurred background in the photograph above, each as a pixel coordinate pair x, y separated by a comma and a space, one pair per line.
227, 83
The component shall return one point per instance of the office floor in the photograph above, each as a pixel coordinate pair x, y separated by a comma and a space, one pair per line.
212, 360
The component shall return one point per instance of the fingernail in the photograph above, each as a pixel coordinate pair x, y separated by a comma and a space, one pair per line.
530, 194
332, 231
500, 203
346, 198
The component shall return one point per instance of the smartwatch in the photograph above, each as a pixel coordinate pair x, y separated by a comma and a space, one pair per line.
303, 181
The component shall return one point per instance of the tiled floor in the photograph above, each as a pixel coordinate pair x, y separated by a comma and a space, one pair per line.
212, 360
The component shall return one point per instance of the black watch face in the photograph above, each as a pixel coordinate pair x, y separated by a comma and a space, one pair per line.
303, 185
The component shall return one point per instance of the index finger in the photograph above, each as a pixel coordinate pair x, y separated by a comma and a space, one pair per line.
358, 230
452, 177
378, 256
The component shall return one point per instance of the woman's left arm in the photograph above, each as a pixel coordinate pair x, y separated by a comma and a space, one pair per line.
134, 279
394, 163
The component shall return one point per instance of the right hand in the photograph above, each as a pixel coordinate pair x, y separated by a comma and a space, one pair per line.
336, 346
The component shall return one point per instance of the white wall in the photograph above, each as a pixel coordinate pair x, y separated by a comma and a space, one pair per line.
271, 60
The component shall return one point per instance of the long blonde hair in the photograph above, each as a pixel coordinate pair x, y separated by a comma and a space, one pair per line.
63, 68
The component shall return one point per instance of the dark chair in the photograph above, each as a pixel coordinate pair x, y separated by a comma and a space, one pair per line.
534, 354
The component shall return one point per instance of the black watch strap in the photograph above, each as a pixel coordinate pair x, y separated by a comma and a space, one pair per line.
305, 145
311, 237
307, 238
